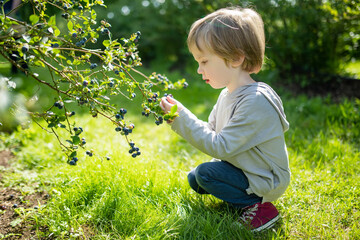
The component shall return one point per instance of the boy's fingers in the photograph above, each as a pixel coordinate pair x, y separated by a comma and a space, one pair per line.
170, 100
165, 104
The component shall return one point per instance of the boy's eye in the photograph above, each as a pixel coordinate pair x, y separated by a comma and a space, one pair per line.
203, 62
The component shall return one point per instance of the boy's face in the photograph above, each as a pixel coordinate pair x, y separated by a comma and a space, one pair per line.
214, 70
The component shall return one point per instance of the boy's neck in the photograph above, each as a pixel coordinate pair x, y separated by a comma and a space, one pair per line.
243, 79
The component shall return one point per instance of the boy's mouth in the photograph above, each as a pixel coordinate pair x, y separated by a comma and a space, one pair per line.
206, 80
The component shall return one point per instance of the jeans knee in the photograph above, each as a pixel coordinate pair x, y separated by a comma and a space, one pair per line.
202, 174
191, 178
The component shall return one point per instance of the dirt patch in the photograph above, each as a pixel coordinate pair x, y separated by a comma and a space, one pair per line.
14, 206
337, 88
5, 157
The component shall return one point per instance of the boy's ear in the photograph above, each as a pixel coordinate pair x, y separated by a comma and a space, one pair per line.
237, 63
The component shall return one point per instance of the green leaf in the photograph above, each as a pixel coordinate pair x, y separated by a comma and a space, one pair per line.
34, 19
70, 26
52, 21
26, 38
75, 139
173, 109
106, 43
39, 63
73, 154
57, 32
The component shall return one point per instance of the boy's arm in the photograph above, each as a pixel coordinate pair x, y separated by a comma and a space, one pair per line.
252, 123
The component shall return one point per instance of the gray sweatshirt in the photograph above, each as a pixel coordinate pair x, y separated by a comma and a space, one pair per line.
245, 128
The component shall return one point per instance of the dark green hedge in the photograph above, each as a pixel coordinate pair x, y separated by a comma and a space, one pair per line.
307, 40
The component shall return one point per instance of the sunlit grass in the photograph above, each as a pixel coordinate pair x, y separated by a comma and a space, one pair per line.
353, 68
149, 198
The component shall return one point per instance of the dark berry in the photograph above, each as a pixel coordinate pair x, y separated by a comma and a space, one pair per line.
24, 49
118, 129
108, 158
65, 15
126, 131
118, 116
79, 44
80, 8
93, 65
85, 83
74, 35
15, 205
134, 155
123, 111
111, 84
72, 162
105, 31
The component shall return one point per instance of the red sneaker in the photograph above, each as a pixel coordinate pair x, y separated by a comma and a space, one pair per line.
259, 216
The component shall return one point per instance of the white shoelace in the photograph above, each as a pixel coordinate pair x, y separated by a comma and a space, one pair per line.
249, 213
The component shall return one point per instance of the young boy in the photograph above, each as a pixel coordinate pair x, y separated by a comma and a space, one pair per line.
245, 130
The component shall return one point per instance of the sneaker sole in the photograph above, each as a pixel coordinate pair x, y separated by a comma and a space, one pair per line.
267, 225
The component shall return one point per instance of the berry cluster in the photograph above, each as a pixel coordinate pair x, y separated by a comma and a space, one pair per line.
78, 130
76, 80
70, 114
160, 120
59, 104
121, 113
125, 130
134, 151
89, 153
73, 161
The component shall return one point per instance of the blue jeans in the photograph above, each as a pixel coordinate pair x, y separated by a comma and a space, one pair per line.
224, 181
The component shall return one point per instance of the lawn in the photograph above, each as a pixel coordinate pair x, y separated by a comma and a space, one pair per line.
149, 198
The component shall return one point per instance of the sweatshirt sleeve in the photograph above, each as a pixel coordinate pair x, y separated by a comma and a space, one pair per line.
251, 124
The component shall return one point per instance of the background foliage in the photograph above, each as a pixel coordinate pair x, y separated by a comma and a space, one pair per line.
307, 40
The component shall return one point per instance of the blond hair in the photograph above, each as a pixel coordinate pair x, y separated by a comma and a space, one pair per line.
231, 33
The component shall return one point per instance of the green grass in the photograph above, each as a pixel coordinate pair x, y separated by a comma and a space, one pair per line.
149, 197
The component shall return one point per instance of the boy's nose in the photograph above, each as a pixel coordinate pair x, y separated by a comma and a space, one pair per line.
199, 70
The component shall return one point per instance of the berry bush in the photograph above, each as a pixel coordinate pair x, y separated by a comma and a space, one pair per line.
80, 74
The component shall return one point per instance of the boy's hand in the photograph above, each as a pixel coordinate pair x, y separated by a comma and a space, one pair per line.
168, 102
